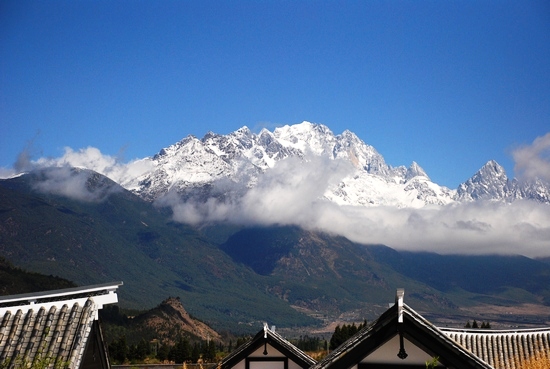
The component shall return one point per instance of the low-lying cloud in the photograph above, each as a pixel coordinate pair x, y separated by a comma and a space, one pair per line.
58, 176
92, 158
72, 183
292, 192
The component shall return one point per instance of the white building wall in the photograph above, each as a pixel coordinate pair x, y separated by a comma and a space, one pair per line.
387, 354
271, 352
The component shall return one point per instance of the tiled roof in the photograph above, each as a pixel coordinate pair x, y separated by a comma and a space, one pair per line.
454, 348
415, 328
274, 339
50, 326
503, 349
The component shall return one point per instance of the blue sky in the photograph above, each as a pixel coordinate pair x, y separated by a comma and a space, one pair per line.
449, 84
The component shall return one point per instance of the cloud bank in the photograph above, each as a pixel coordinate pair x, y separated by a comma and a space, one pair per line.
73, 183
58, 177
292, 193
92, 158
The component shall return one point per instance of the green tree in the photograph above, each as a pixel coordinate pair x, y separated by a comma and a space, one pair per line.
181, 351
241, 340
336, 339
163, 352
143, 349
196, 352
352, 330
485, 325
209, 351
345, 332
132, 353
118, 350
307, 343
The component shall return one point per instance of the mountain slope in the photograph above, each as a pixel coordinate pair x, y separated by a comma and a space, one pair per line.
16, 281
513, 279
316, 271
287, 275
125, 238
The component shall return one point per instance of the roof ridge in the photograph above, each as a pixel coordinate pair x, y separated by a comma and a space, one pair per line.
494, 331
58, 295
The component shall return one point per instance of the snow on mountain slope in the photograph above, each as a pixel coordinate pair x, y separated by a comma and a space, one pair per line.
242, 156
491, 183
218, 164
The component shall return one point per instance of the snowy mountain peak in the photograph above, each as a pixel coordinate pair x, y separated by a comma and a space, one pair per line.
492, 168
195, 166
489, 182
244, 130
306, 137
415, 170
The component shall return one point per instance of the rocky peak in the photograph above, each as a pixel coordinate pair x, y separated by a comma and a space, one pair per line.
490, 182
170, 315
415, 170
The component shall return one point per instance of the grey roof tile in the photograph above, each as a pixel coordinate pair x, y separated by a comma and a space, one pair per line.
51, 325
503, 349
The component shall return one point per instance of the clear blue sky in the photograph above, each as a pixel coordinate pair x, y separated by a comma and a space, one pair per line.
449, 84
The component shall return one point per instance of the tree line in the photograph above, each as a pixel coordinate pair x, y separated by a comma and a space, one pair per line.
182, 351
343, 333
475, 325
310, 344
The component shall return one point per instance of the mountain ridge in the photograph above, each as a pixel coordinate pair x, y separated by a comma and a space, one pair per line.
242, 157
195, 168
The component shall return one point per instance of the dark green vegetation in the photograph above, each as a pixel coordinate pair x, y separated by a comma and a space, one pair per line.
125, 238
16, 280
494, 279
475, 325
344, 333
236, 278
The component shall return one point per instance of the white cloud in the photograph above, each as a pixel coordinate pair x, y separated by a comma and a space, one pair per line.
283, 195
522, 227
58, 178
89, 158
533, 161
291, 193
71, 183
7, 172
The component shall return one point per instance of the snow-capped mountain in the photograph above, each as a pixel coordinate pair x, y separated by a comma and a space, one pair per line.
488, 183
195, 166
491, 183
